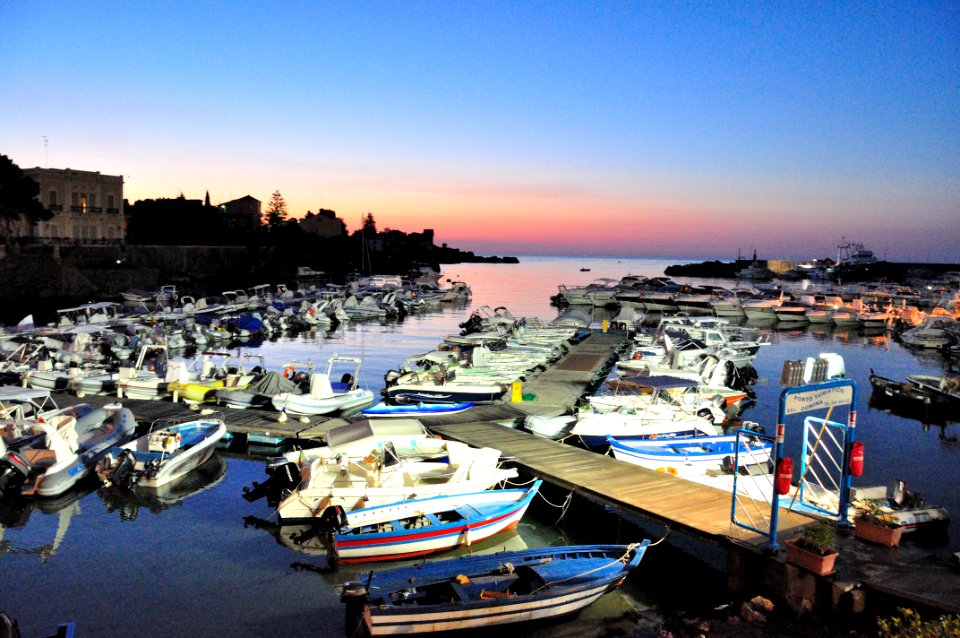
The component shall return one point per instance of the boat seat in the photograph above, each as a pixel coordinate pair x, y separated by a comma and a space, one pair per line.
39, 458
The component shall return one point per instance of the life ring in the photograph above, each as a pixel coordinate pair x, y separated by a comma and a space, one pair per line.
288, 372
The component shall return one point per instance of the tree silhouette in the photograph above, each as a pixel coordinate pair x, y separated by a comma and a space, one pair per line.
276, 210
369, 226
18, 195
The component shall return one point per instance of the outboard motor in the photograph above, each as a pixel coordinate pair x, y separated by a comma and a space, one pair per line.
334, 517
124, 475
280, 477
14, 470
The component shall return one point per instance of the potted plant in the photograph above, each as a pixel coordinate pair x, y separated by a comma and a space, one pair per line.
872, 524
815, 550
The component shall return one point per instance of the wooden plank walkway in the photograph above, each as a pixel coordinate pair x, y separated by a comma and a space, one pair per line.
698, 510
562, 385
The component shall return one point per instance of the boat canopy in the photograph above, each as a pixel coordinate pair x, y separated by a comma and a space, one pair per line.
368, 434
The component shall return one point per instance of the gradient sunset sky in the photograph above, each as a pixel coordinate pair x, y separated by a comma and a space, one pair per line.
597, 128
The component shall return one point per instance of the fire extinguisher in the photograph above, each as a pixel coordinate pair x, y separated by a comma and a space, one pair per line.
856, 458
784, 475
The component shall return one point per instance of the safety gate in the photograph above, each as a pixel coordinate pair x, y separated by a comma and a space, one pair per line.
753, 482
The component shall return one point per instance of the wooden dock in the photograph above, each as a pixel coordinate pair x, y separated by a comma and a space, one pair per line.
697, 510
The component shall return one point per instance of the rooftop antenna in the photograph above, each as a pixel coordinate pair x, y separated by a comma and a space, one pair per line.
46, 157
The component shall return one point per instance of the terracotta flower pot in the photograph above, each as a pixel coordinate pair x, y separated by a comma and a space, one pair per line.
811, 561
877, 532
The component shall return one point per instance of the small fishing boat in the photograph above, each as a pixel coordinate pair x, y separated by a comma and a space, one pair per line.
694, 455
947, 388
162, 455
415, 409
900, 507
422, 526
478, 591
903, 390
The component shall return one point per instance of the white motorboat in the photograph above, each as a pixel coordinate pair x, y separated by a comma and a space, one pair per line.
327, 396
369, 463
162, 455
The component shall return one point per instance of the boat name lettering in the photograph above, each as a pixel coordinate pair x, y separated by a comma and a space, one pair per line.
798, 402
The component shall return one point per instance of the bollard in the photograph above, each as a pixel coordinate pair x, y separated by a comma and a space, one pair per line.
516, 395
605, 324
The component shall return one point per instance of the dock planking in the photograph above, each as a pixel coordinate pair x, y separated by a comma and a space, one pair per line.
694, 509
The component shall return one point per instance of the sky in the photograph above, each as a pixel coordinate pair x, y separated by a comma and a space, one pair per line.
687, 129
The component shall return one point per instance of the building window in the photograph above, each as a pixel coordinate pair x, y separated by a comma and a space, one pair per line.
93, 200
83, 202
110, 202
75, 201
53, 198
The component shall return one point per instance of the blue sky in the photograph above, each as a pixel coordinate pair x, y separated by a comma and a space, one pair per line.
586, 128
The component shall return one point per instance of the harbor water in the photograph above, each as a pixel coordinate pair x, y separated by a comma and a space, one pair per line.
198, 559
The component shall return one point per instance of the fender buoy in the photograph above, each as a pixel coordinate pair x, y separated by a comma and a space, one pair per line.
288, 372
637, 356
312, 312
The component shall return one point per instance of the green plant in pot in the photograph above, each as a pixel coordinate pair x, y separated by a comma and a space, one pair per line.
815, 550
819, 538
872, 524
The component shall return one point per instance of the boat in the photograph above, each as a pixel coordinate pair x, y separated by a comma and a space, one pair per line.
946, 388
479, 591
693, 455
260, 393
215, 371
367, 463
414, 410
933, 333
900, 507
150, 376
904, 390
165, 453
447, 393
76, 439
420, 526
550, 427
327, 396
593, 428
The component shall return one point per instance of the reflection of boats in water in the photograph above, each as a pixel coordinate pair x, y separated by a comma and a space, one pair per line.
156, 500
15, 514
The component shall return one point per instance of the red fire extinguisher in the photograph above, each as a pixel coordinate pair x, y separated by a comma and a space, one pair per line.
784, 475
856, 458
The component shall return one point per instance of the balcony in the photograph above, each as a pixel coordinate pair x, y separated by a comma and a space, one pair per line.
55, 208
113, 211
76, 209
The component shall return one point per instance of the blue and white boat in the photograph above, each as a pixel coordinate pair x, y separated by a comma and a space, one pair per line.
414, 410
422, 526
691, 456
494, 589
162, 455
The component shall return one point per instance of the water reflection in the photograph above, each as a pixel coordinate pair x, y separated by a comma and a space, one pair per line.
15, 514
128, 503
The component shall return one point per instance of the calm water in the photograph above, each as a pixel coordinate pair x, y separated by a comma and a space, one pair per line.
188, 564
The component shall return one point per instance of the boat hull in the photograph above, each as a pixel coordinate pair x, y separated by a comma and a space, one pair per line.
537, 584
407, 394
481, 515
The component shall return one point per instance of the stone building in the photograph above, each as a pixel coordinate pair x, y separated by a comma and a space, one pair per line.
87, 207
325, 223
242, 214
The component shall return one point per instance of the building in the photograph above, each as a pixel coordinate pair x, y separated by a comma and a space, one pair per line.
324, 223
242, 214
87, 207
